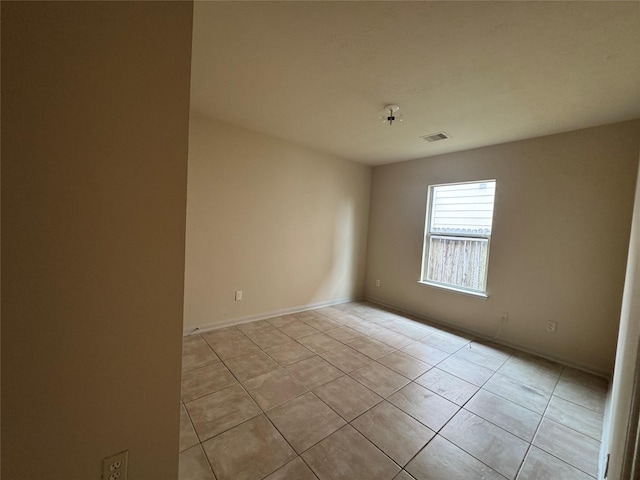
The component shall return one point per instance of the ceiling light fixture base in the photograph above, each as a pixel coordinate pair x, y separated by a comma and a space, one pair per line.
391, 114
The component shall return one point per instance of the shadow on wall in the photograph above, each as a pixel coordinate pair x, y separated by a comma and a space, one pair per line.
342, 272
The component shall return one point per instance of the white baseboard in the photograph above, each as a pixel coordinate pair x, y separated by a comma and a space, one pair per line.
261, 316
484, 336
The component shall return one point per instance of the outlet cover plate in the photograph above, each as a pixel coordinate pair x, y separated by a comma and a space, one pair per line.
115, 467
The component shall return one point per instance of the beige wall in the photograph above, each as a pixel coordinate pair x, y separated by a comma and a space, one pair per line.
95, 100
561, 232
284, 224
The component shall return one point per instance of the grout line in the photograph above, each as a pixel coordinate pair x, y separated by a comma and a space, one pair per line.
535, 434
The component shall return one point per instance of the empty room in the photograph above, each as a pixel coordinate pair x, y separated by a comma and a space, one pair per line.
320, 240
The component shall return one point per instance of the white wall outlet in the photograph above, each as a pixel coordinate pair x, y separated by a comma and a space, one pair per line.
503, 316
115, 467
238, 295
377, 283
552, 327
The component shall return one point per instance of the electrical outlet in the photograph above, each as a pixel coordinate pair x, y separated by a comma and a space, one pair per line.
238, 295
504, 317
377, 283
115, 467
552, 327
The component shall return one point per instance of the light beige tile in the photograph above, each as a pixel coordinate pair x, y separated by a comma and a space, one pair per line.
371, 348
491, 348
352, 321
589, 397
379, 378
454, 334
274, 388
221, 411
283, 321
398, 316
508, 415
319, 342
251, 327
313, 372
194, 465
249, 451
191, 343
394, 432
441, 341
442, 460
468, 371
305, 421
336, 312
346, 358
411, 329
576, 417
539, 465
204, 380
346, 454
268, 337
512, 389
448, 386
344, 334
585, 379
296, 469
320, 323
425, 353
382, 320
198, 356
403, 476
533, 371
491, 445
246, 367
568, 445
479, 357
230, 343
289, 353
298, 330
393, 339
347, 397
308, 314
424, 405
188, 437
368, 328
221, 335
404, 364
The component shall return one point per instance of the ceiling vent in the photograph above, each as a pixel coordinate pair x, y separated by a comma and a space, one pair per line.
435, 137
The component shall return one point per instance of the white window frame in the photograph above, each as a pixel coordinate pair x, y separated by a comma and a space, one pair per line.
427, 241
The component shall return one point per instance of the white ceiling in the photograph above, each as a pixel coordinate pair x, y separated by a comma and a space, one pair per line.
318, 73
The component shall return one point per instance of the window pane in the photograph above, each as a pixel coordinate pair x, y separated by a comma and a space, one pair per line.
463, 208
457, 261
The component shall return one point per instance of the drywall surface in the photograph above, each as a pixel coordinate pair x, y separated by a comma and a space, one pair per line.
625, 367
559, 247
284, 224
95, 106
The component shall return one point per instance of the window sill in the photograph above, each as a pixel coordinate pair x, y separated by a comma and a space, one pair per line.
454, 290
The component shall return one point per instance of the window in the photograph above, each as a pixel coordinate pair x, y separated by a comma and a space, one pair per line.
457, 236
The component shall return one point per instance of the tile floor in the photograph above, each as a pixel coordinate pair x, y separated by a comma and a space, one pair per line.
357, 392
